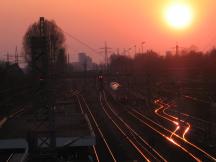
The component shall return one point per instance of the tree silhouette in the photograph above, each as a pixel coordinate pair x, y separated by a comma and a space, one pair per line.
54, 41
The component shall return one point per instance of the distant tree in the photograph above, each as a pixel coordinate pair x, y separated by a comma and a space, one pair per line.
121, 64
149, 62
61, 61
53, 35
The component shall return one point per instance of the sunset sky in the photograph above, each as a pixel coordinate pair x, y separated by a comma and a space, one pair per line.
122, 23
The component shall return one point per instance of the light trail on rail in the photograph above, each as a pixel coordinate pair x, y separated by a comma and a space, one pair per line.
185, 132
177, 128
179, 137
125, 135
9, 158
163, 135
207, 155
132, 130
175, 119
164, 117
97, 126
96, 154
162, 108
187, 115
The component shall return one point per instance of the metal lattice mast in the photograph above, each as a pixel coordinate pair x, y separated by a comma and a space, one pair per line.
106, 51
43, 133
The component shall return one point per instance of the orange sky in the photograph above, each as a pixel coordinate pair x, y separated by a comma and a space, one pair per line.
122, 23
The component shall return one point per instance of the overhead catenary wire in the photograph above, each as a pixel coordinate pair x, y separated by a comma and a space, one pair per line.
81, 42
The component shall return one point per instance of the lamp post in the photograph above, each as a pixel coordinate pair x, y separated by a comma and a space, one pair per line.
142, 44
134, 49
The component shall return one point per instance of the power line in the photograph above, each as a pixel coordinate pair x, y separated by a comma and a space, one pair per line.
81, 42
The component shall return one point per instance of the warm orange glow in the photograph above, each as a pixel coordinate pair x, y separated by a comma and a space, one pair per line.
122, 24
186, 130
174, 134
178, 15
162, 134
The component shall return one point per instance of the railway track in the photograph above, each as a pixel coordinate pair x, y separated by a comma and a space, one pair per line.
163, 139
181, 123
18, 108
9, 156
147, 152
104, 148
189, 148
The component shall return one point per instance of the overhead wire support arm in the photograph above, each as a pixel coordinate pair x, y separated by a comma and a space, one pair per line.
106, 57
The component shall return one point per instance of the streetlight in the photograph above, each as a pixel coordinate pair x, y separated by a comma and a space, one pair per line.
134, 49
142, 44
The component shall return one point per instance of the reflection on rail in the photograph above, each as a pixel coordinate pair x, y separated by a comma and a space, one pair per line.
162, 105
166, 106
135, 114
98, 128
135, 135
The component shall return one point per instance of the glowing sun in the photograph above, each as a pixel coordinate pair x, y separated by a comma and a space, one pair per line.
178, 15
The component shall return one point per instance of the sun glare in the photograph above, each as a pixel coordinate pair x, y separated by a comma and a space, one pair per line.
178, 15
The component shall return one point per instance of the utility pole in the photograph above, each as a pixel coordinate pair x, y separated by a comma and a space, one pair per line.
106, 57
16, 56
177, 47
142, 44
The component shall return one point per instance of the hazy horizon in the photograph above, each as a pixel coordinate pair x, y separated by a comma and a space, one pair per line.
122, 24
